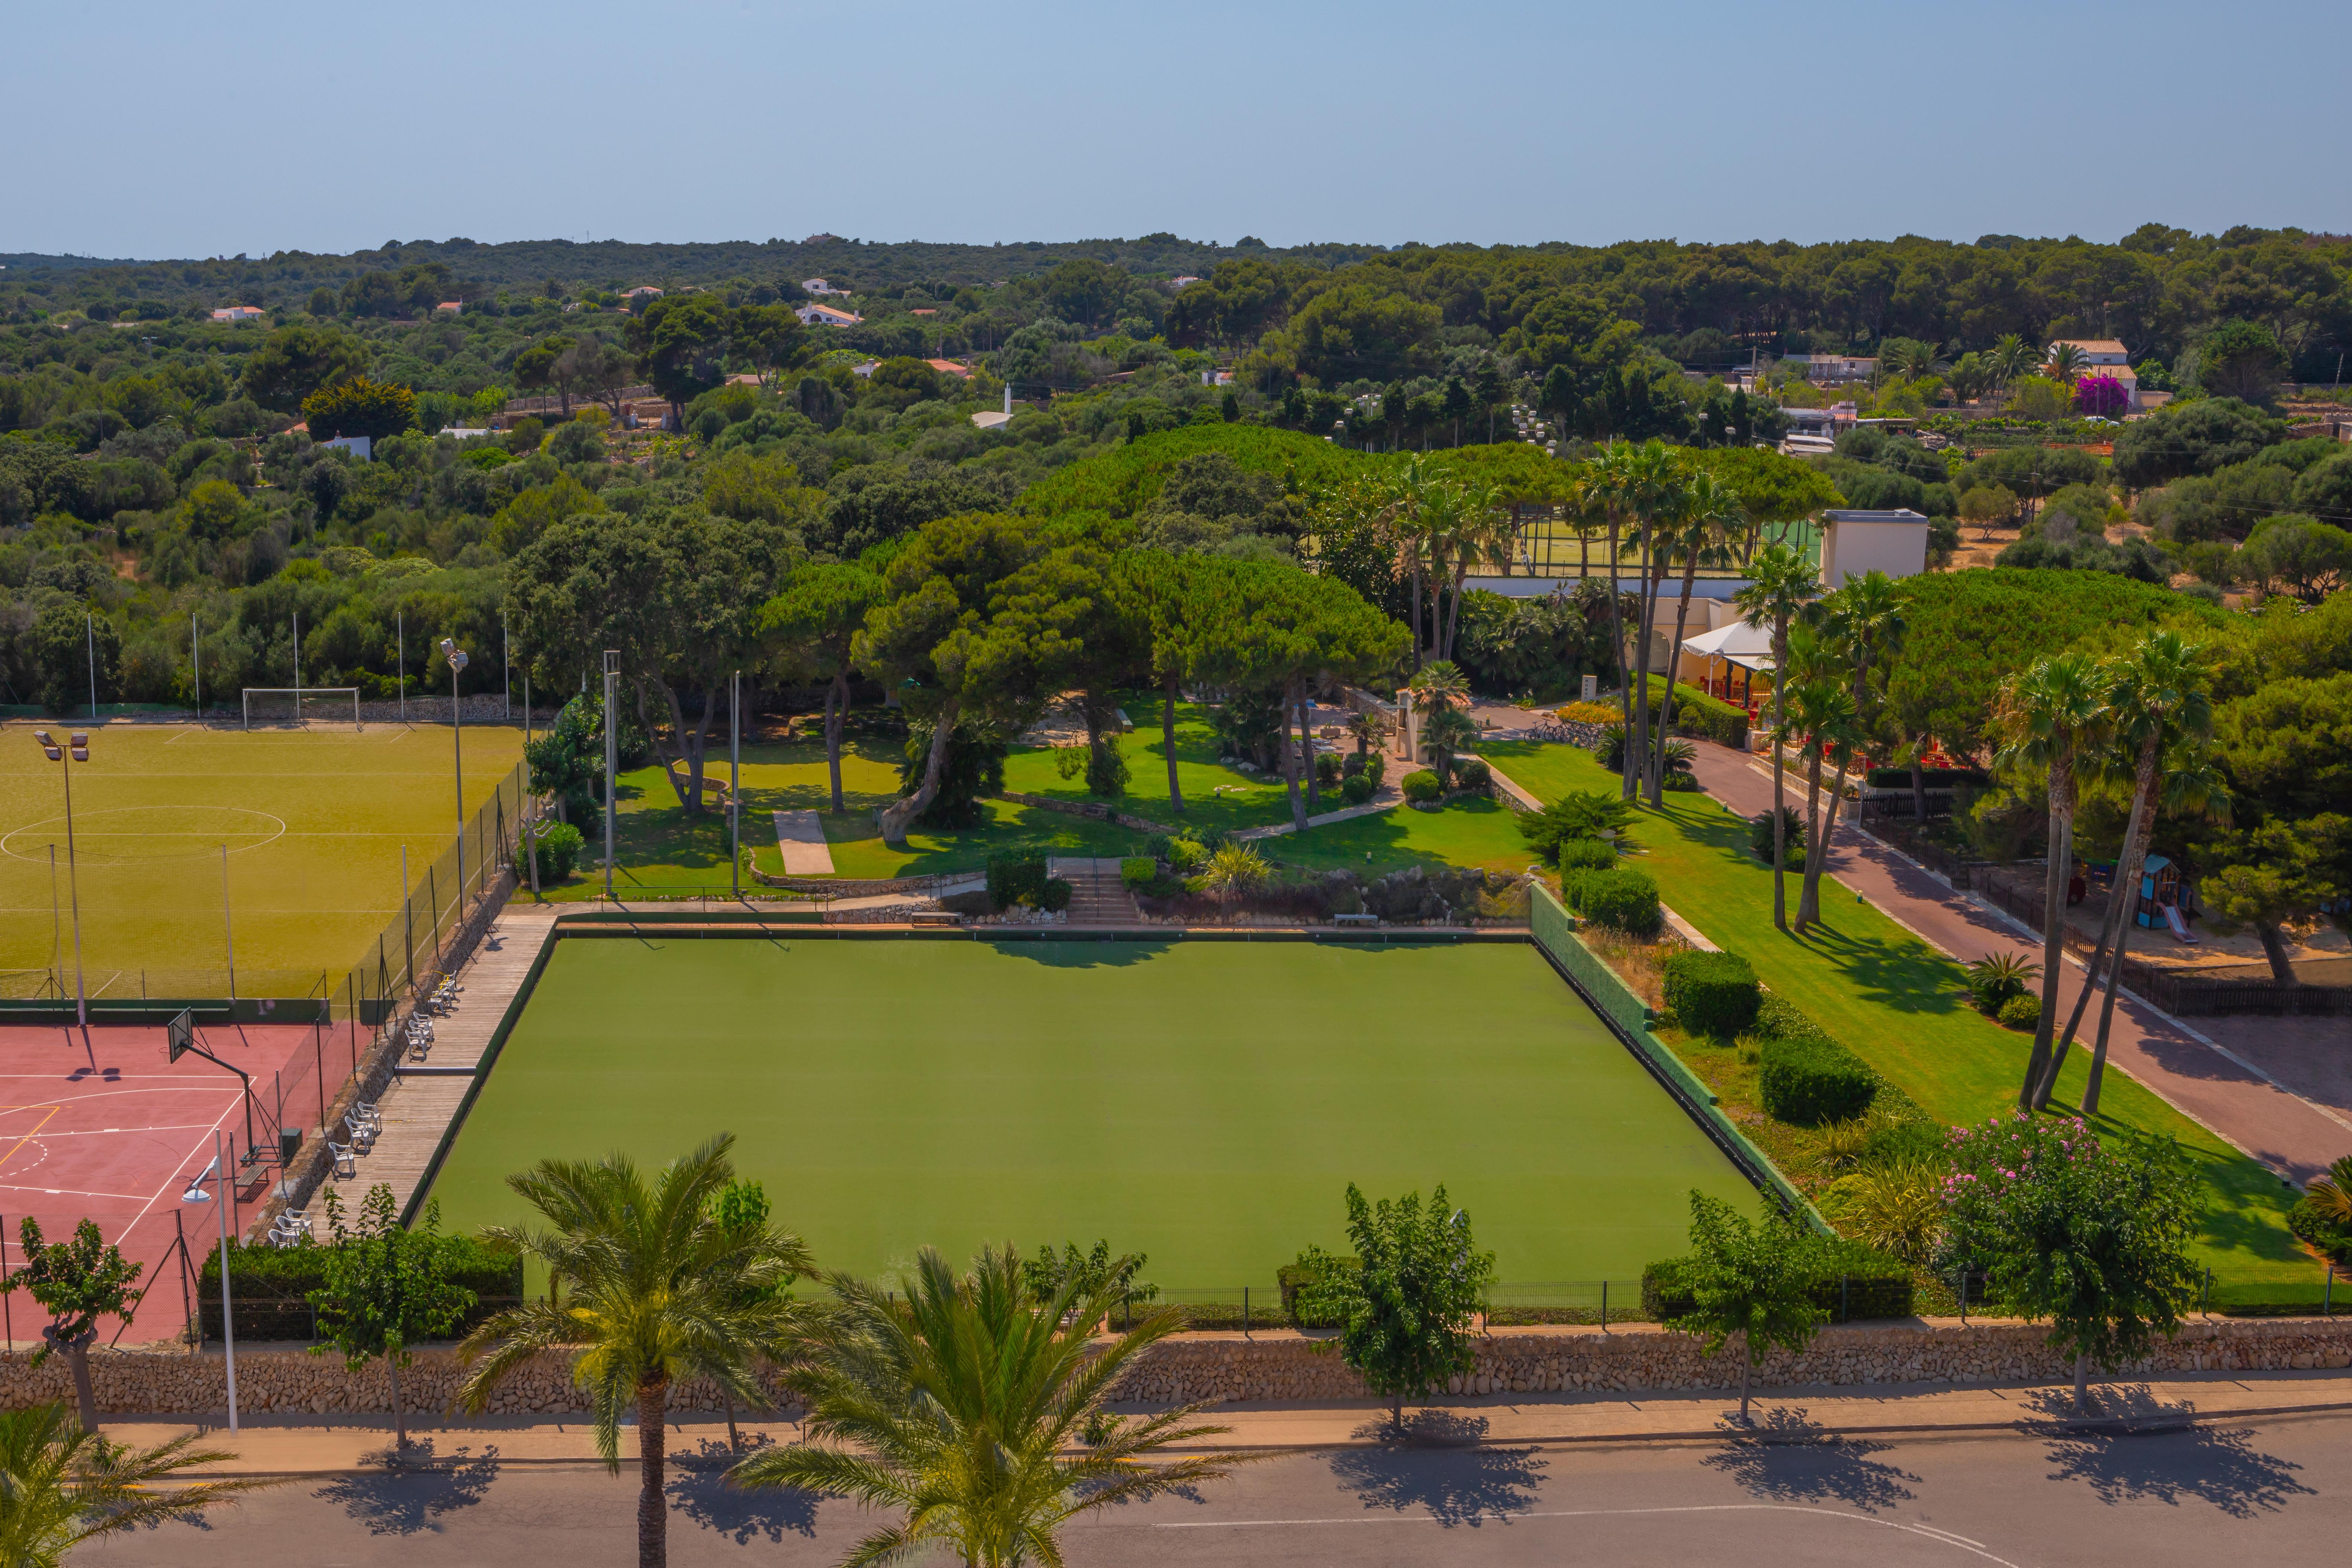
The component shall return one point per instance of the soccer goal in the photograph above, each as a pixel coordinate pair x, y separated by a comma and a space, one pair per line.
299, 705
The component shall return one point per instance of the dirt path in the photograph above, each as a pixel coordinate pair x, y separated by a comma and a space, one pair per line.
2227, 1092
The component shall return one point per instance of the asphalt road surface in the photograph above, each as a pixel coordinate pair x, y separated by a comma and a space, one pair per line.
2276, 1492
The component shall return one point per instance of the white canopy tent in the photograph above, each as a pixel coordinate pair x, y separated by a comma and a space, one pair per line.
1740, 645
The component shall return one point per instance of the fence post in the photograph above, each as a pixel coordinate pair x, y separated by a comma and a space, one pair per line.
1845, 1298
2205, 1296
1245, 1333
1604, 1306
2327, 1301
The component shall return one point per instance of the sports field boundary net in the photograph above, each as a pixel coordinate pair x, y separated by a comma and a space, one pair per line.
301, 704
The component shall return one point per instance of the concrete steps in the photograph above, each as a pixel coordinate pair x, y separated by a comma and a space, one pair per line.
1097, 897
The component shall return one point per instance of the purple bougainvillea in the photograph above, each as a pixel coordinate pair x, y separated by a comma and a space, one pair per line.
2101, 396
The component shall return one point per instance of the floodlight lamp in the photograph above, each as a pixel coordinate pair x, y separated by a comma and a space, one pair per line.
43, 737
53, 752
196, 1192
80, 739
81, 754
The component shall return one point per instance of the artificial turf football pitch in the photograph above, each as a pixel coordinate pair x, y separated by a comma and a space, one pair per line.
1206, 1104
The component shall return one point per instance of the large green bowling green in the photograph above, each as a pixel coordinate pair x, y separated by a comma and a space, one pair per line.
1204, 1102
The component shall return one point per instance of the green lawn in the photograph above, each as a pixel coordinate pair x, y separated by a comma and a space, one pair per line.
1206, 1104
314, 823
1215, 795
1468, 832
1897, 1001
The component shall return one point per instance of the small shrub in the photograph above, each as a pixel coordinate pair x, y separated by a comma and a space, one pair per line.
1187, 855
1579, 814
1472, 772
1686, 783
1422, 788
1586, 855
1712, 993
1138, 872
1016, 880
1995, 978
1376, 767
2020, 1012
2312, 1225
1620, 899
1850, 1280
1356, 788
1809, 1081
1760, 836
1590, 713
1054, 896
559, 850
1327, 768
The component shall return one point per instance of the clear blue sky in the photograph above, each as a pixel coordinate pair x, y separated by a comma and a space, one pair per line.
136, 128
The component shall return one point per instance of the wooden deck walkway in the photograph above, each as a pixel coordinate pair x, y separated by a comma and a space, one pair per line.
424, 1097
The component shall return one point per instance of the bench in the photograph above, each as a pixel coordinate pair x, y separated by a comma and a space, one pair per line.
934, 918
1360, 920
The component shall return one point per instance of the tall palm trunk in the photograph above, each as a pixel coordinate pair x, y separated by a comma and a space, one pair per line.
1779, 783
2091, 976
1416, 613
1812, 825
1307, 746
653, 1503
1817, 853
900, 813
2143, 826
1624, 675
1673, 657
837, 710
2053, 919
1168, 744
1637, 738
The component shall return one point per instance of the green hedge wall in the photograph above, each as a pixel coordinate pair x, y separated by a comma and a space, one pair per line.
1620, 899
1696, 713
270, 1287
1711, 992
1808, 1077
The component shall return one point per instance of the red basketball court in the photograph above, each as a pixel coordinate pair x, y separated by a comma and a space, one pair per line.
102, 1126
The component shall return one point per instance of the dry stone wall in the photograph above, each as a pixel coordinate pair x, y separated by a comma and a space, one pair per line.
1214, 1368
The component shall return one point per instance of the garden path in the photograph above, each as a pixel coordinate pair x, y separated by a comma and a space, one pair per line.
800, 837
2200, 1079
1386, 797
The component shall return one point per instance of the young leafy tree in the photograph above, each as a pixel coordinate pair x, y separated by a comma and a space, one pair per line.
1750, 1280
567, 760
812, 625
652, 1288
2091, 1238
388, 1286
79, 1282
741, 1209
62, 1485
1406, 1309
1781, 583
961, 1404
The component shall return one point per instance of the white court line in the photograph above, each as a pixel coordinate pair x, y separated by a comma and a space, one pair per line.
71, 1193
1973, 1548
118, 1132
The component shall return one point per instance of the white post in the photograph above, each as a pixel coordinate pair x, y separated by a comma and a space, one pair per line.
196, 664
90, 628
228, 1316
529, 824
298, 667
735, 782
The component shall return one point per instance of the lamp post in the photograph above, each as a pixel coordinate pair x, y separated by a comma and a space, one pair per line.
196, 1195
612, 751
79, 745
457, 657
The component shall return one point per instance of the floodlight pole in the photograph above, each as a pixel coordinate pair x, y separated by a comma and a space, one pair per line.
229, 932
457, 657
228, 1316
90, 630
400, 631
735, 782
196, 664
76, 750
298, 667
611, 755
506, 671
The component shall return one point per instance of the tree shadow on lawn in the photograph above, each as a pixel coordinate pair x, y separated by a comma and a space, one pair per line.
1081, 952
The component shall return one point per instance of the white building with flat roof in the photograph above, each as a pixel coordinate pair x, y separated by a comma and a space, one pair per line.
1855, 543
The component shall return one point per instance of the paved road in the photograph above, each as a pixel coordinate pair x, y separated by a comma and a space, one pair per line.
2284, 1132
2272, 1493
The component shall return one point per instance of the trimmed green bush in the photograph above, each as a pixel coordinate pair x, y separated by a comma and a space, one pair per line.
1137, 870
1016, 880
1586, 855
1712, 992
2020, 1012
1811, 1079
1422, 788
1472, 772
1696, 713
1356, 788
1054, 896
1850, 1281
1187, 855
559, 851
1620, 899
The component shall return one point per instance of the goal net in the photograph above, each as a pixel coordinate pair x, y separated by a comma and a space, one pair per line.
301, 705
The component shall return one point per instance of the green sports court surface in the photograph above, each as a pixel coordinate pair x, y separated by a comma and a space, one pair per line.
313, 822
1206, 1104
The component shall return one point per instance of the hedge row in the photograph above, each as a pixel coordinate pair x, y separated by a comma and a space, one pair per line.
1808, 1077
271, 1286
1620, 899
1696, 713
1851, 1280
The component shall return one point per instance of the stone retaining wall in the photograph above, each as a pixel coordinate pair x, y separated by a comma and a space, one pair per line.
1278, 1366
1087, 808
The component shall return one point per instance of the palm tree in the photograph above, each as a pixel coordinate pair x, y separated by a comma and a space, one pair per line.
1820, 713
2065, 362
61, 1484
1707, 517
2043, 715
2010, 357
2331, 1194
1609, 481
645, 1286
2160, 694
1781, 584
1437, 686
959, 1402
1478, 531
1371, 728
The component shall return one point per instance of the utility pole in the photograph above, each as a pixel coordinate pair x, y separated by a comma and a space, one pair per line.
457, 657
612, 754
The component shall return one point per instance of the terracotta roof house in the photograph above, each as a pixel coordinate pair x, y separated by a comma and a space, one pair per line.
816, 315
237, 313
